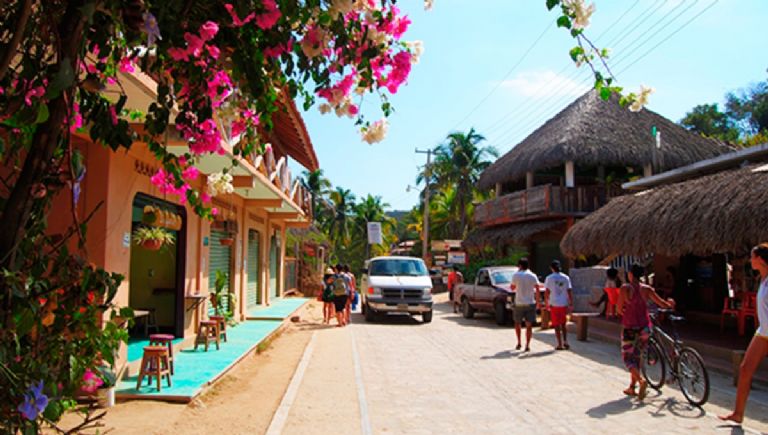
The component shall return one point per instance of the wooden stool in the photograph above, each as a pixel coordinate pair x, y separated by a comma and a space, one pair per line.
208, 332
154, 363
164, 340
222, 325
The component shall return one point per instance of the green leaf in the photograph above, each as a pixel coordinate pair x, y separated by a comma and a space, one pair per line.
42, 113
575, 53
605, 93
564, 21
552, 3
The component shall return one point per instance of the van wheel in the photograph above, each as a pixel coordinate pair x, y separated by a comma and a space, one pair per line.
370, 315
501, 314
426, 317
466, 309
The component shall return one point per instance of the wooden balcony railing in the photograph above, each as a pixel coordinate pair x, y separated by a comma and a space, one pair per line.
542, 201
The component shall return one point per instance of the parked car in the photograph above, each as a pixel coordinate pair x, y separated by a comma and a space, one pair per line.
490, 293
396, 285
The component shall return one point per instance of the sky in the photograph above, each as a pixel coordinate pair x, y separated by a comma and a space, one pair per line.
502, 67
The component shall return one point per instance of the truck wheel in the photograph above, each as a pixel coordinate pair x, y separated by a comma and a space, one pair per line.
370, 315
501, 314
466, 309
426, 317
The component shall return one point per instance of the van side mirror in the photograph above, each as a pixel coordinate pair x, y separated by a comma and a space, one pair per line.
364, 270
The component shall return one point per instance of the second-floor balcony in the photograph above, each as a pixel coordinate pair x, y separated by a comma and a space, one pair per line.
543, 201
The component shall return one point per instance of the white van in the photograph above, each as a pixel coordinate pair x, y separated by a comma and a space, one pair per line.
396, 285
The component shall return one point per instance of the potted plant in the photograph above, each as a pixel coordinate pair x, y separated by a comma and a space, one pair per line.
219, 294
152, 238
105, 394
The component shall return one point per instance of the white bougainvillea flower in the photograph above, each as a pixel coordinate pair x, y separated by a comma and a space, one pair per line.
416, 48
324, 108
220, 183
428, 5
581, 13
642, 99
376, 132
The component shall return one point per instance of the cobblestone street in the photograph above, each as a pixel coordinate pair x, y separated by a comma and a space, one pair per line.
464, 376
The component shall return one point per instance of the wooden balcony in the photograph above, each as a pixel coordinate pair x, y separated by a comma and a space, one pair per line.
543, 201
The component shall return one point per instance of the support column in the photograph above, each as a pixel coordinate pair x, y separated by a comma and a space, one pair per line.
528, 179
647, 170
570, 174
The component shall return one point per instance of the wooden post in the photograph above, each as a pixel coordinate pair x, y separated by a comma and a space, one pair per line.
570, 174
528, 179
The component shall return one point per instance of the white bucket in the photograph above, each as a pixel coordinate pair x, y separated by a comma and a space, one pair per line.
106, 397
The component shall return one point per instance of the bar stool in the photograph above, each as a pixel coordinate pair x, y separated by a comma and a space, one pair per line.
154, 363
208, 332
222, 325
164, 340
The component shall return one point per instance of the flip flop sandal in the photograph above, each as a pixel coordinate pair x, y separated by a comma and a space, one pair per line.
517, 347
630, 392
566, 346
559, 348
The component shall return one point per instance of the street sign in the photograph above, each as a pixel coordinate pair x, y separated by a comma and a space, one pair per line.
457, 257
374, 233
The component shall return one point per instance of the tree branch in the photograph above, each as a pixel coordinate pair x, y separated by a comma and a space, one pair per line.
13, 44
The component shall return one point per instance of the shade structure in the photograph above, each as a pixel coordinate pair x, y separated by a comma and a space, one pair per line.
718, 213
512, 234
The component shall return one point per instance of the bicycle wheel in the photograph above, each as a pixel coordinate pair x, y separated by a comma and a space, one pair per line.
654, 368
693, 377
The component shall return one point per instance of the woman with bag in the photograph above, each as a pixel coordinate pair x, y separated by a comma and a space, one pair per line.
327, 296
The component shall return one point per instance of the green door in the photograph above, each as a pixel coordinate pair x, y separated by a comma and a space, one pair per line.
274, 257
220, 259
252, 268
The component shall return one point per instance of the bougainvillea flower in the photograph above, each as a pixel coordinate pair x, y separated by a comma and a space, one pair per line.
269, 18
208, 30
236, 21
34, 402
91, 381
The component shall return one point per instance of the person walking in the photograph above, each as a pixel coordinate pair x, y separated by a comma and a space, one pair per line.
636, 323
525, 285
340, 296
351, 284
327, 296
758, 347
559, 301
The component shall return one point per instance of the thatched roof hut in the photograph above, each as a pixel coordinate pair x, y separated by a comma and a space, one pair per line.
512, 234
593, 132
723, 212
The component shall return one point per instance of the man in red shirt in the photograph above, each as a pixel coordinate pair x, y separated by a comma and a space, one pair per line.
454, 277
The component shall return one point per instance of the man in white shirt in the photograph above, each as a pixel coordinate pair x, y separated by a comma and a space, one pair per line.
559, 300
525, 285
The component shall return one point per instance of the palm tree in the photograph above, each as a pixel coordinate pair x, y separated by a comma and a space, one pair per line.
371, 209
338, 225
318, 186
459, 163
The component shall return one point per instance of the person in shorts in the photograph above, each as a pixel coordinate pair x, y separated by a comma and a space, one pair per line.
559, 299
525, 285
327, 295
340, 296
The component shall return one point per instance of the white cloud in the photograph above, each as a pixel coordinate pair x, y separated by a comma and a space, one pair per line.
544, 84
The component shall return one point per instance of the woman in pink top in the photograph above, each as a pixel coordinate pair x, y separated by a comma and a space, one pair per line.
633, 304
758, 347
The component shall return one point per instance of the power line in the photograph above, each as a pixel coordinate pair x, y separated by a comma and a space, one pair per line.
658, 4
519, 61
534, 118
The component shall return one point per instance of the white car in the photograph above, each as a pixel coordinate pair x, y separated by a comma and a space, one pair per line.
396, 285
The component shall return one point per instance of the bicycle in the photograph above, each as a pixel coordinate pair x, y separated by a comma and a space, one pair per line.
685, 364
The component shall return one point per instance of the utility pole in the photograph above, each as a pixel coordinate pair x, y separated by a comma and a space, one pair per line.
425, 225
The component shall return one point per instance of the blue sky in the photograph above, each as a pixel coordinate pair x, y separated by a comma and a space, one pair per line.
474, 53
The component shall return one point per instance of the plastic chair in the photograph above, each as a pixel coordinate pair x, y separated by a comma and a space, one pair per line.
748, 309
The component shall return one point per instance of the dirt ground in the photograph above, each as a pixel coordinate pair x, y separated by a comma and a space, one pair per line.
243, 401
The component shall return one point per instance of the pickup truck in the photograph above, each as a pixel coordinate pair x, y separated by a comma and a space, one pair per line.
490, 293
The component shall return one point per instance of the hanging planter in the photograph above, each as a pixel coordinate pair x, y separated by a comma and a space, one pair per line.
152, 238
150, 215
227, 241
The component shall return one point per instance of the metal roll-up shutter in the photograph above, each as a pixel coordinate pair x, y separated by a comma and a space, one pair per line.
274, 257
253, 268
220, 259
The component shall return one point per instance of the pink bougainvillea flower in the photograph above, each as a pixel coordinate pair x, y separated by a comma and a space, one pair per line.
214, 211
178, 54
191, 173
213, 51
208, 30
236, 21
91, 381
205, 198
194, 44
271, 15
113, 115
77, 118
126, 65
35, 92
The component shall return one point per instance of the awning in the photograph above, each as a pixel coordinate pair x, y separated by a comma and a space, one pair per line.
513, 234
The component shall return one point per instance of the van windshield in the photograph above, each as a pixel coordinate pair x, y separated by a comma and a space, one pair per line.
397, 267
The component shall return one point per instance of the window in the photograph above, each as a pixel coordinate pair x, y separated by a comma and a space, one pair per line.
395, 267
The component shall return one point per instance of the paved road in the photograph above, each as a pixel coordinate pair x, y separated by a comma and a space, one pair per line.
464, 376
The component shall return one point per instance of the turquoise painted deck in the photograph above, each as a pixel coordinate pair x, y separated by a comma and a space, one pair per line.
136, 347
279, 309
194, 370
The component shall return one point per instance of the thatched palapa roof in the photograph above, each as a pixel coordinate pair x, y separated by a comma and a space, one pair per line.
507, 234
593, 132
723, 212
